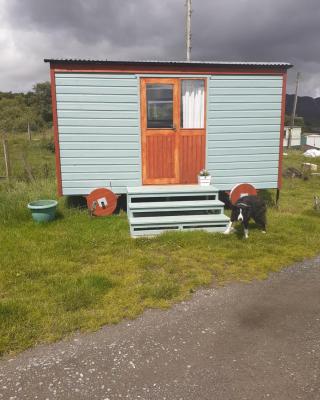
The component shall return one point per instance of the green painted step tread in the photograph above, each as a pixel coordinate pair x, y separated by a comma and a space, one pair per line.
175, 204
179, 219
170, 189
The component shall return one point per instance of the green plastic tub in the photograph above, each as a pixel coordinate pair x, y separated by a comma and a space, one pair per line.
43, 210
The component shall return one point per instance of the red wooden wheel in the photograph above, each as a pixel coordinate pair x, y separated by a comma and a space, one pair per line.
102, 202
241, 190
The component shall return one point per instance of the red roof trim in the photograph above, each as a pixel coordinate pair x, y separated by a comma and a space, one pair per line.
283, 110
55, 131
165, 69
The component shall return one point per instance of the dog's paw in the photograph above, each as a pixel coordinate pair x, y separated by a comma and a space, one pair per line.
228, 231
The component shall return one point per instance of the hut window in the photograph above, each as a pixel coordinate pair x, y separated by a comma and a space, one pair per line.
192, 103
159, 105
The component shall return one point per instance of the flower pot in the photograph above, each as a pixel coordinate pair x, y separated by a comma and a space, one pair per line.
204, 180
43, 210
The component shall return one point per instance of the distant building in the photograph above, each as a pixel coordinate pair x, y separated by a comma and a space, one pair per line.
311, 139
295, 136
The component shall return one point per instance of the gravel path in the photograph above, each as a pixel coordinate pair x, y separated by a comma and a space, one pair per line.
243, 341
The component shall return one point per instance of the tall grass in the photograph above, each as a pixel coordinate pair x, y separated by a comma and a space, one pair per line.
80, 272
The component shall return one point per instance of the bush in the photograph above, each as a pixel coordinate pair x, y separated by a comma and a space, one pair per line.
49, 146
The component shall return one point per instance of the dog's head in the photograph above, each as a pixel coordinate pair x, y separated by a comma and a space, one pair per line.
241, 211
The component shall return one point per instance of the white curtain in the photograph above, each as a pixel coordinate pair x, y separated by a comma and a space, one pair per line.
192, 103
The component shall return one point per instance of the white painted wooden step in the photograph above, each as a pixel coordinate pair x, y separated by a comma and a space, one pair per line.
176, 205
180, 219
176, 208
144, 232
169, 190
151, 226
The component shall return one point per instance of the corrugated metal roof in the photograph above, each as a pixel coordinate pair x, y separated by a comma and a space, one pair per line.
182, 62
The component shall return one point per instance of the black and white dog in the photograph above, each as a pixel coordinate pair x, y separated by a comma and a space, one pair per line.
248, 207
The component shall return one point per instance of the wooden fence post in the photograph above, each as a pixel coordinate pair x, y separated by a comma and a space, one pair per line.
29, 132
27, 167
6, 158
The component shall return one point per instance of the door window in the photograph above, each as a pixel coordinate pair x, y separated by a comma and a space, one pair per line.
159, 105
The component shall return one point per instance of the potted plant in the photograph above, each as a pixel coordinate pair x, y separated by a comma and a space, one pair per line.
204, 178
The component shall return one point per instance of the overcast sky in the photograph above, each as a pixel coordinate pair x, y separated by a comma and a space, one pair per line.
231, 30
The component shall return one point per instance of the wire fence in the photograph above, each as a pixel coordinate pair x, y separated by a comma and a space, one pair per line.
25, 159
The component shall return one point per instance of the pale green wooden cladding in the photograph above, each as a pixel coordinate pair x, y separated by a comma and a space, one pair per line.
100, 135
243, 129
99, 131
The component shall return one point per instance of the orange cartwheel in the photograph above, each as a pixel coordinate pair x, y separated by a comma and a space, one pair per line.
102, 202
241, 190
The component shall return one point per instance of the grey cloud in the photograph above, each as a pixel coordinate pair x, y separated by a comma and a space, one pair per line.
120, 21
247, 30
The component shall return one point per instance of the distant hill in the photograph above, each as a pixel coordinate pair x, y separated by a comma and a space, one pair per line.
307, 107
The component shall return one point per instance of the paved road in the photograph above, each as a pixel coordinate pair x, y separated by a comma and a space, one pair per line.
244, 341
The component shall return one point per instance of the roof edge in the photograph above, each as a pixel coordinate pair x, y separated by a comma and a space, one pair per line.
283, 65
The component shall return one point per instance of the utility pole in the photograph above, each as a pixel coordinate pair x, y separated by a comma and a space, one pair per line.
293, 115
188, 29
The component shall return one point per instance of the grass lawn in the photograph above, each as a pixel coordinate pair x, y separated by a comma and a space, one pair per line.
78, 273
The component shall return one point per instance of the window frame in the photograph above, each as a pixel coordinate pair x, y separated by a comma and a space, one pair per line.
159, 128
204, 79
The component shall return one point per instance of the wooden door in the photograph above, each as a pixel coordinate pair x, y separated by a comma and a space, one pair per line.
192, 131
171, 154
